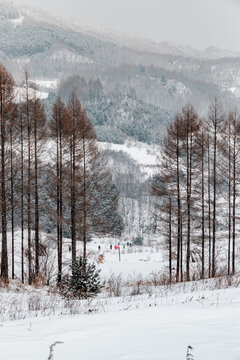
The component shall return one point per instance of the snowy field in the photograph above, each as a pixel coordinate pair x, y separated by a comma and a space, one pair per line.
134, 260
144, 322
132, 264
157, 328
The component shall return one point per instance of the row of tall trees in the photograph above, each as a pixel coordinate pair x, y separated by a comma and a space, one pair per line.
86, 197
196, 192
50, 168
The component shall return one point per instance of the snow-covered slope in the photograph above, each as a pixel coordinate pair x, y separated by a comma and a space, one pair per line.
133, 328
146, 156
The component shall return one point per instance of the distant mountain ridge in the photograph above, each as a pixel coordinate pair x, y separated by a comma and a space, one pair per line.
8, 10
131, 87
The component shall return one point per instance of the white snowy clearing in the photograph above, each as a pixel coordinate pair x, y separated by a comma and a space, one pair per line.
142, 153
19, 94
46, 84
70, 57
147, 156
134, 329
18, 21
142, 323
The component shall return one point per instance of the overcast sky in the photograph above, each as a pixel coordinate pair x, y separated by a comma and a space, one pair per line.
198, 23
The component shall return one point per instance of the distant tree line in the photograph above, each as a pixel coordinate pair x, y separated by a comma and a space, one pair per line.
49, 168
197, 193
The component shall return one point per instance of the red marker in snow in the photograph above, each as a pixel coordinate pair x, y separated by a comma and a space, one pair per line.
118, 247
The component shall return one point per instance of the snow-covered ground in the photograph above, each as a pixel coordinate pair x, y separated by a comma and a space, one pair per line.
146, 321
147, 156
132, 264
47, 84
70, 57
156, 327
142, 153
19, 94
134, 260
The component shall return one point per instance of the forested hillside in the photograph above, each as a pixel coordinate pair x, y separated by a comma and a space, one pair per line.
155, 79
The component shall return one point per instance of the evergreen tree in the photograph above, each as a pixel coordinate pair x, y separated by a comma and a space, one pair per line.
84, 281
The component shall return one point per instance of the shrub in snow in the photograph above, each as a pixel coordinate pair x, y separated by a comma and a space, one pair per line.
84, 281
138, 241
114, 285
39, 280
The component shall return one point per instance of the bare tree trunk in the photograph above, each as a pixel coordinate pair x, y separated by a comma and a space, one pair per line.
6, 107
12, 195
209, 213
188, 207
57, 126
229, 198
60, 202
234, 206
4, 262
181, 251
29, 208
170, 239
84, 204
22, 199
36, 194
73, 191
214, 196
28, 118
179, 208
216, 117
203, 207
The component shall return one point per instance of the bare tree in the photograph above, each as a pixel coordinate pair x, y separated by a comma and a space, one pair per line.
216, 118
59, 116
39, 139
202, 141
6, 113
189, 133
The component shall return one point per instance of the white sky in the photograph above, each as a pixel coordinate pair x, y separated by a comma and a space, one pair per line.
198, 23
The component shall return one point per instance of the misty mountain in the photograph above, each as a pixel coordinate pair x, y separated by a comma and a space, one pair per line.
130, 87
